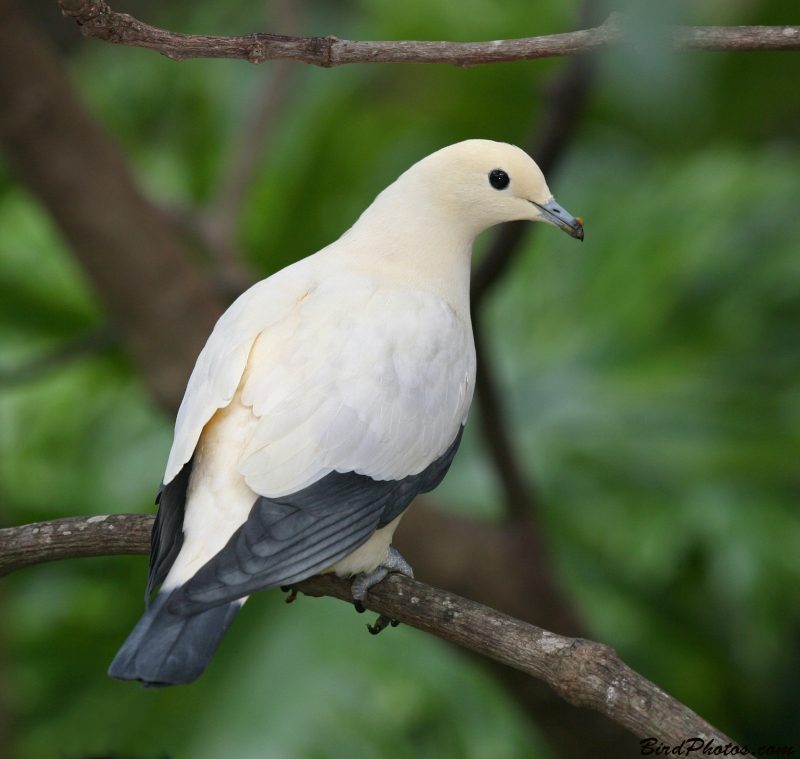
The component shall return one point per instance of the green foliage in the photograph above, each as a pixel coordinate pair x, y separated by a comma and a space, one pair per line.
652, 378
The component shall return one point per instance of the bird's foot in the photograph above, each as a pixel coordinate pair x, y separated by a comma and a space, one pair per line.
394, 562
292, 593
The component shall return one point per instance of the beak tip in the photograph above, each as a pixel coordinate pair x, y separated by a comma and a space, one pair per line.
552, 213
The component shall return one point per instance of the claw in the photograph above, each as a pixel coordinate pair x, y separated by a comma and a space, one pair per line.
291, 597
286, 588
381, 623
359, 606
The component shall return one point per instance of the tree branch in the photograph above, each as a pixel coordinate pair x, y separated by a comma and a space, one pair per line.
131, 251
518, 575
74, 538
582, 672
565, 101
518, 498
98, 20
564, 104
501, 565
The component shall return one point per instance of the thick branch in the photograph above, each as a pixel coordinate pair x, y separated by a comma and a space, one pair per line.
582, 672
132, 253
501, 565
74, 538
518, 574
566, 98
98, 20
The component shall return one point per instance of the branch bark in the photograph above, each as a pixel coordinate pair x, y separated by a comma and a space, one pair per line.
503, 566
96, 19
74, 538
582, 672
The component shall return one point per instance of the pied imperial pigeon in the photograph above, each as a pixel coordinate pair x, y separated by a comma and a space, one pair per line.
327, 397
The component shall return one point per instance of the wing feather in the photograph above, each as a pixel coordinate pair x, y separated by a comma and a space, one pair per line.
288, 539
372, 388
222, 362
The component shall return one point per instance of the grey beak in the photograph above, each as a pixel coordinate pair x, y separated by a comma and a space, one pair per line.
554, 214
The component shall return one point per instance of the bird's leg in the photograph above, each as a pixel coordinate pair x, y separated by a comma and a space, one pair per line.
393, 562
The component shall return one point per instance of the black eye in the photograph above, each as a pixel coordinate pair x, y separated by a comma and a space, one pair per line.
498, 179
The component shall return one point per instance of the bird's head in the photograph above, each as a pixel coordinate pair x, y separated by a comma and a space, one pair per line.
483, 183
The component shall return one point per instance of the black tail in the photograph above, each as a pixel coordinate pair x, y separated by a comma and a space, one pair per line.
171, 649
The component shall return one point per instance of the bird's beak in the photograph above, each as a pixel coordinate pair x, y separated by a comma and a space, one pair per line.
554, 214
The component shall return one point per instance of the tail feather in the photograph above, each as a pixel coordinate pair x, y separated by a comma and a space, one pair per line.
172, 649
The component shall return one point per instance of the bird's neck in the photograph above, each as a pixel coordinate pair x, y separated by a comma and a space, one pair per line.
411, 243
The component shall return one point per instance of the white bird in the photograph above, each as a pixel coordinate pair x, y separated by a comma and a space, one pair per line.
327, 397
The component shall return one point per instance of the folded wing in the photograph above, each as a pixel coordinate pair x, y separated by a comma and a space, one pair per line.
290, 538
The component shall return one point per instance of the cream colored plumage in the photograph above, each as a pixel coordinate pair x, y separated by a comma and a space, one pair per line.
358, 359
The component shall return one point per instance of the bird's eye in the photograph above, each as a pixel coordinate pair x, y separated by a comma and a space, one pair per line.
498, 179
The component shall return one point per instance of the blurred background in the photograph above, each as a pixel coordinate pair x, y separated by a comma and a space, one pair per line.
649, 380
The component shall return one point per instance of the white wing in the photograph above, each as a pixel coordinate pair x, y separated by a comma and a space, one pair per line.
222, 361
377, 383
343, 374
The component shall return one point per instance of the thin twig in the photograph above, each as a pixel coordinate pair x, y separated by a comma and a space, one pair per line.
582, 672
98, 20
